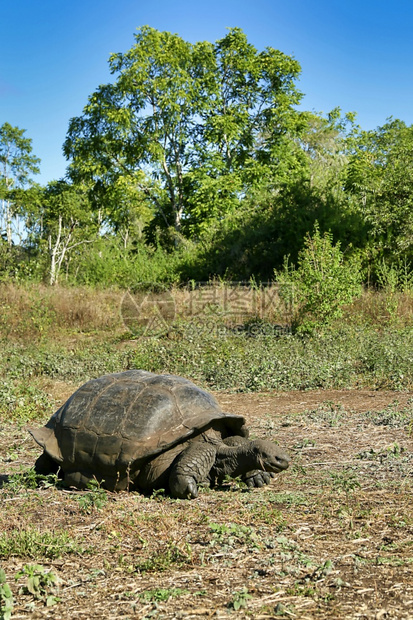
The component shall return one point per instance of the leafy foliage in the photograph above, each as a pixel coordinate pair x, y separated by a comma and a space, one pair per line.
16, 165
240, 599
170, 555
189, 125
322, 283
95, 498
40, 583
162, 594
380, 175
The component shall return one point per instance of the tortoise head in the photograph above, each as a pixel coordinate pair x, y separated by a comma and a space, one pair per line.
270, 457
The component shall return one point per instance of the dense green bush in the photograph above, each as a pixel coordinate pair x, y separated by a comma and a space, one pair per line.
107, 263
323, 282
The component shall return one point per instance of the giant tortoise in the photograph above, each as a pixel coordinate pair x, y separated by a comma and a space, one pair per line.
141, 431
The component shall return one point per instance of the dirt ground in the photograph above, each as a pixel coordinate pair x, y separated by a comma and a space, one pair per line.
332, 537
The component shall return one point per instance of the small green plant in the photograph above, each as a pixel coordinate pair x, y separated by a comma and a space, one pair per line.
284, 610
240, 599
162, 594
395, 450
323, 570
21, 481
392, 416
41, 584
304, 443
291, 550
301, 590
158, 494
288, 498
29, 479
270, 515
6, 598
233, 533
237, 484
94, 499
171, 555
370, 454
328, 413
346, 481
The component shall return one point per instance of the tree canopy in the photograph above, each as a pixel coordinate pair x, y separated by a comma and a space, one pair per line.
17, 164
192, 126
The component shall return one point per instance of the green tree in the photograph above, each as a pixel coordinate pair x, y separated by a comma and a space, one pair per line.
17, 164
192, 126
60, 219
122, 210
380, 177
326, 143
278, 212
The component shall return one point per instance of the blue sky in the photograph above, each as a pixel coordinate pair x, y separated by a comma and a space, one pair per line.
356, 55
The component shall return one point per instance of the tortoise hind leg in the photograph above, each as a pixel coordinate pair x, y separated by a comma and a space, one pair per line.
45, 465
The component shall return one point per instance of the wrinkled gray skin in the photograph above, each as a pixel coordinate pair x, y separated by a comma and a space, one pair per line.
209, 458
140, 431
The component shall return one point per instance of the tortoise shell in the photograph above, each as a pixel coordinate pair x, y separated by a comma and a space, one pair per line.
113, 425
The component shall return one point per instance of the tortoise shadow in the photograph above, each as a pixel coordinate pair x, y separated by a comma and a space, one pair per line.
4, 479
223, 486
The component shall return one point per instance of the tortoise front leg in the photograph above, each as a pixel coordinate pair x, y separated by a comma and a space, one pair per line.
191, 467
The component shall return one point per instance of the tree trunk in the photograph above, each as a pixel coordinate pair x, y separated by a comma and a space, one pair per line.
54, 252
53, 263
7, 221
61, 248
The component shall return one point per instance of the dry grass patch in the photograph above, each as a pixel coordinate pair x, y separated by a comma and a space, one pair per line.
36, 310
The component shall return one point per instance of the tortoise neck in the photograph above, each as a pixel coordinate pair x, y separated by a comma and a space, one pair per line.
234, 461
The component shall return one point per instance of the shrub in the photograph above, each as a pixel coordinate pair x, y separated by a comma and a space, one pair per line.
321, 285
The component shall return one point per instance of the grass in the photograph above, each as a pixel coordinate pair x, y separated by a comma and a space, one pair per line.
21, 401
31, 543
75, 334
35, 311
172, 555
344, 356
340, 358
